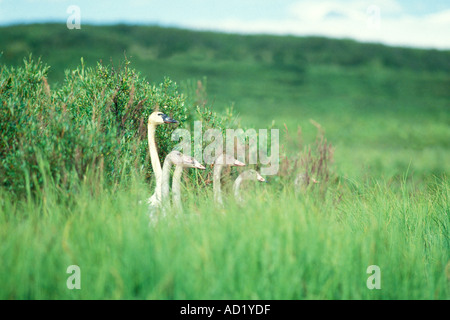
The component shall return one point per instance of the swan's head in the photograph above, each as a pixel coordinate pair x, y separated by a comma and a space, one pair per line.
159, 117
196, 164
252, 175
185, 161
259, 177
225, 159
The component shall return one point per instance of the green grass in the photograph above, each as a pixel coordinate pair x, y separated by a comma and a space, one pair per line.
309, 250
385, 110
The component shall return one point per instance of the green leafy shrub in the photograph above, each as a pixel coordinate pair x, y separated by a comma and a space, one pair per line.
96, 121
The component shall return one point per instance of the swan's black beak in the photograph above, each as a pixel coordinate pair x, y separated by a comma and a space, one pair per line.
168, 119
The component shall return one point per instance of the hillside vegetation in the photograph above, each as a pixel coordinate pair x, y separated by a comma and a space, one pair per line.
371, 123
371, 99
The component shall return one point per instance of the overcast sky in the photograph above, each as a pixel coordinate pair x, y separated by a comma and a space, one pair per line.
416, 23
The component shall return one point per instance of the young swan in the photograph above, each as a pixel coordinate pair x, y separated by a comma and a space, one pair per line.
219, 163
246, 175
180, 161
155, 119
189, 162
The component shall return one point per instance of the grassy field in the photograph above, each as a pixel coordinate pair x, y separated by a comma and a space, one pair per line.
278, 247
386, 112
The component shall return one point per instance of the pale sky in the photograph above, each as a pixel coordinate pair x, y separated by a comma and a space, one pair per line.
412, 23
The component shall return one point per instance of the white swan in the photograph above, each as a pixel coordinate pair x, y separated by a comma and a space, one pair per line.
155, 119
221, 161
246, 175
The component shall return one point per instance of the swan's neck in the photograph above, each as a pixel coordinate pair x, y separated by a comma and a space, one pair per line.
236, 187
164, 185
216, 183
176, 187
154, 157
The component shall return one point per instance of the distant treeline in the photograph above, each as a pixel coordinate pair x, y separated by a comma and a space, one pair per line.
59, 46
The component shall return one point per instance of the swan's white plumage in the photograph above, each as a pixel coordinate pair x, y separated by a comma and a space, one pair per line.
155, 119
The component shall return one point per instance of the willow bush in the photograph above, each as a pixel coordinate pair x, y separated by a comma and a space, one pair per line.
95, 121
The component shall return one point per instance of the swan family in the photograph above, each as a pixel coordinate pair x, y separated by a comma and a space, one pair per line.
160, 197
